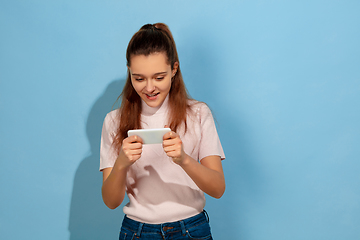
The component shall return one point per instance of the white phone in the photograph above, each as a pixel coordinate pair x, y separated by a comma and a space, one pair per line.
150, 136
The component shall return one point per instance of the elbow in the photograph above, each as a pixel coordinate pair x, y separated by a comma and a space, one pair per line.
219, 193
219, 196
111, 201
111, 206
220, 189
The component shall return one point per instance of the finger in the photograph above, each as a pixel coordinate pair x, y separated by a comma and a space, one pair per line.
172, 140
133, 139
133, 155
168, 148
172, 148
131, 146
133, 158
166, 135
135, 145
174, 154
137, 139
170, 135
169, 143
134, 151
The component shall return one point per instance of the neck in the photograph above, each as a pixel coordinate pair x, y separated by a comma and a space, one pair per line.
147, 110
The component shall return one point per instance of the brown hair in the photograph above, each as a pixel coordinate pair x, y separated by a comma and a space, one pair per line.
151, 38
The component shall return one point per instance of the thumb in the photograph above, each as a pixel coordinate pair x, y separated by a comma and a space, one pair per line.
168, 135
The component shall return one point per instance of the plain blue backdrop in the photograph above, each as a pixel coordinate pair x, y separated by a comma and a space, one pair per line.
282, 79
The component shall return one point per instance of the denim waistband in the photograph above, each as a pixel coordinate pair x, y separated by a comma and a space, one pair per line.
139, 227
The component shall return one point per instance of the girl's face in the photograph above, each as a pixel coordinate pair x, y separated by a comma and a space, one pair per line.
151, 77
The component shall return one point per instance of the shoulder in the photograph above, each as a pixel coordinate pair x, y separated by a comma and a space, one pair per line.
111, 119
113, 114
197, 105
199, 108
199, 111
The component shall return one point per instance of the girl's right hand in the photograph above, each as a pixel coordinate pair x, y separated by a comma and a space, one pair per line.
130, 152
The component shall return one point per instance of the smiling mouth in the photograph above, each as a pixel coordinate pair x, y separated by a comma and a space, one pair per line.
152, 95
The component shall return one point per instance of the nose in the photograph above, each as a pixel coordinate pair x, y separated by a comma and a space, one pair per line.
150, 87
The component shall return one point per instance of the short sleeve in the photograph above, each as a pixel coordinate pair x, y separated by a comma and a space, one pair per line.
210, 143
107, 152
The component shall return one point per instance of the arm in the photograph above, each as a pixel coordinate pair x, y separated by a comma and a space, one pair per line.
208, 175
114, 179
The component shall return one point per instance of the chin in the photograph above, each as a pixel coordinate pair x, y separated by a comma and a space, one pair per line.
153, 103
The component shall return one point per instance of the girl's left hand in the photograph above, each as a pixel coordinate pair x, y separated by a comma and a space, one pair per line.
172, 145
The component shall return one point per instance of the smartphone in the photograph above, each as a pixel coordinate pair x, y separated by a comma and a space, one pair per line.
150, 136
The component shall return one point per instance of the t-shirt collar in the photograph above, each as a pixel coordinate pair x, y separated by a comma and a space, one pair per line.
162, 108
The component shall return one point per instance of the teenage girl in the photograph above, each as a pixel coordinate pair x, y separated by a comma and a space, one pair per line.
166, 182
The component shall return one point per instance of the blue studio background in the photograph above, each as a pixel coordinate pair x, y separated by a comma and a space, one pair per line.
282, 79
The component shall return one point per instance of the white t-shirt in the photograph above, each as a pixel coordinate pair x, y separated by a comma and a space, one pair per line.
158, 189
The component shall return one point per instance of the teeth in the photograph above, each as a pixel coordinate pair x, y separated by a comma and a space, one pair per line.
151, 95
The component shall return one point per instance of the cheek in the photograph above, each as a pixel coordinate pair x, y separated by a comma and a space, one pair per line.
166, 85
137, 86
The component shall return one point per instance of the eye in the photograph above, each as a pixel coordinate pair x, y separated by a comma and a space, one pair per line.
139, 79
159, 78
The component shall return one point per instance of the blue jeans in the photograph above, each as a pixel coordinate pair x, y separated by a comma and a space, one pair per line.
196, 227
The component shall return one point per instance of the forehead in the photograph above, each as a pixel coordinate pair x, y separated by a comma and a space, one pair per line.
153, 63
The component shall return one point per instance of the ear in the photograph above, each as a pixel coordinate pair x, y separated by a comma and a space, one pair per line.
175, 68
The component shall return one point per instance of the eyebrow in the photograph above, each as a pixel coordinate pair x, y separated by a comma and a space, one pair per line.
159, 73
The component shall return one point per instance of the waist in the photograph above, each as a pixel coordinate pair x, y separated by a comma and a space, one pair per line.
167, 208
138, 227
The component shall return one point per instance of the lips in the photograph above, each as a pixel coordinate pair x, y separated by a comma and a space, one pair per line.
152, 96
